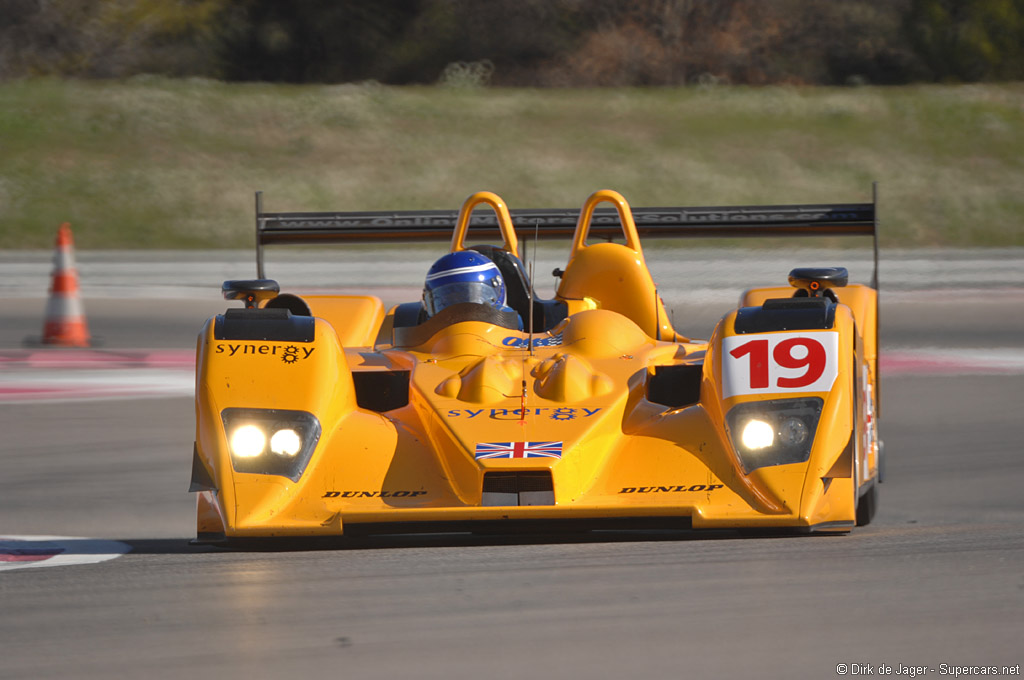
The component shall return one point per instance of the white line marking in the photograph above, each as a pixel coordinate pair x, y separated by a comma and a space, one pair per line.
49, 386
29, 552
953, 361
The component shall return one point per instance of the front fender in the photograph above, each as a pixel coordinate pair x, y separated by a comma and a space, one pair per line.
763, 364
311, 376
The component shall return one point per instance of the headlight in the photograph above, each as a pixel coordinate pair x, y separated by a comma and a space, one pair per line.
286, 442
774, 432
757, 435
247, 441
270, 441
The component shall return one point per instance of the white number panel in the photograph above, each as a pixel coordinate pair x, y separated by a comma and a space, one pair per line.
771, 363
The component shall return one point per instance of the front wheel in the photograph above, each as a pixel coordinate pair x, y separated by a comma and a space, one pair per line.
866, 506
865, 503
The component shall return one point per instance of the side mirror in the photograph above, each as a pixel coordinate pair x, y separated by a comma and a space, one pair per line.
252, 291
815, 280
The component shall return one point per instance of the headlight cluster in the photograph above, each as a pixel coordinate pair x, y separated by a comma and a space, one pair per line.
270, 441
774, 432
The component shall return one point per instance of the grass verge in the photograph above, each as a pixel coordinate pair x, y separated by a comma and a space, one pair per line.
154, 163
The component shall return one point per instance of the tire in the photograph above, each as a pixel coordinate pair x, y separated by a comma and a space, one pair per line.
867, 504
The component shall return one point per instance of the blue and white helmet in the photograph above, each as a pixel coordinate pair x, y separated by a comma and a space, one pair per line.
463, 276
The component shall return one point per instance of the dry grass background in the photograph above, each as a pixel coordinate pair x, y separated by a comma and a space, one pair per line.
154, 163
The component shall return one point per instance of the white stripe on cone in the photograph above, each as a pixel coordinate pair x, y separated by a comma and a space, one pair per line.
67, 308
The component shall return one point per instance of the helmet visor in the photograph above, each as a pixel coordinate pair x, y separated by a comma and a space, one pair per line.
463, 291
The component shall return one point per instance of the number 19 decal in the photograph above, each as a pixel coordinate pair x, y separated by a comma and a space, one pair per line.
770, 363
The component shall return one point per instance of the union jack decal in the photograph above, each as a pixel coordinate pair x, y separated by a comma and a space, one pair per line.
518, 450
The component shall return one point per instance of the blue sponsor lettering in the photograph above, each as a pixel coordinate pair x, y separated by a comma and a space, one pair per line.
523, 343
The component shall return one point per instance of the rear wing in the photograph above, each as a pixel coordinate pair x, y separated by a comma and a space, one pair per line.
845, 219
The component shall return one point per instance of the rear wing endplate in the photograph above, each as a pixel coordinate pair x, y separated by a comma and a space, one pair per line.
311, 228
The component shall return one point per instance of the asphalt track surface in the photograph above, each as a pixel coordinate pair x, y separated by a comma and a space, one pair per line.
937, 579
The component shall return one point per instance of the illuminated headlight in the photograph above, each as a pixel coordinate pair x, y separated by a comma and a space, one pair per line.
774, 432
286, 442
247, 441
270, 441
757, 435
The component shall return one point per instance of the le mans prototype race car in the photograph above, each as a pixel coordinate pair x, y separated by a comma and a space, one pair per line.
328, 415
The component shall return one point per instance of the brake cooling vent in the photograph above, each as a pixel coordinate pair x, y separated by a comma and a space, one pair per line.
381, 390
518, 488
675, 386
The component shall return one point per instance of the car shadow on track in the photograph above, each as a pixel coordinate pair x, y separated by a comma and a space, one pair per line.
404, 541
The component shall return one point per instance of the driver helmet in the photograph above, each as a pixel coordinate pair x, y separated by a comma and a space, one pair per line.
463, 276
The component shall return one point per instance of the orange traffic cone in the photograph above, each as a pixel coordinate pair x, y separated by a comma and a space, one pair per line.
65, 321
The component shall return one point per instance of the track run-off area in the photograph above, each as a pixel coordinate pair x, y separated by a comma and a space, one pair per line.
95, 453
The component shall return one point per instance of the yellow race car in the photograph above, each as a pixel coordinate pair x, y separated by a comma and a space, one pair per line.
329, 415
